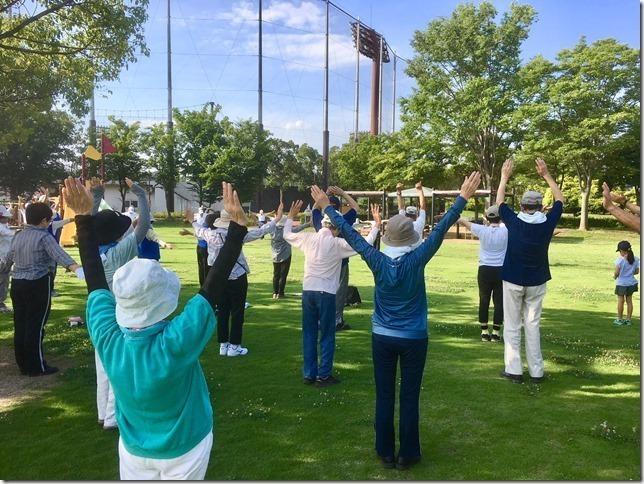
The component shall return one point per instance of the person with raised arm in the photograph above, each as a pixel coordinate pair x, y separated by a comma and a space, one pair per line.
164, 415
350, 216
118, 244
323, 252
493, 244
231, 311
632, 219
418, 215
526, 271
399, 321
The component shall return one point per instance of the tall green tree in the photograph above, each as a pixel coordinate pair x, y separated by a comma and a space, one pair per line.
585, 112
127, 161
466, 68
58, 49
158, 143
242, 158
198, 134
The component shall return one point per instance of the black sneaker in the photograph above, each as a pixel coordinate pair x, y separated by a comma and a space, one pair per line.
513, 378
49, 370
342, 326
388, 462
485, 337
495, 338
308, 381
404, 463
538, 379
325, 382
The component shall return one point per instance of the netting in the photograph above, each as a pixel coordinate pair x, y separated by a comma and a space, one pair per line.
215, 59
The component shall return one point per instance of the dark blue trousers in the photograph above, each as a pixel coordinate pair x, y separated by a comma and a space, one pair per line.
412, 354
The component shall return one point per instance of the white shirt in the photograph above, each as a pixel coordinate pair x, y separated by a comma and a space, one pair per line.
419, 223
323, 254
494, 242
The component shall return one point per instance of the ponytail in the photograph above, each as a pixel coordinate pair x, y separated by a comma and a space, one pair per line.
630, 257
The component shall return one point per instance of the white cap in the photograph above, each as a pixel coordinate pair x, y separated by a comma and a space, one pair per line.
145, 293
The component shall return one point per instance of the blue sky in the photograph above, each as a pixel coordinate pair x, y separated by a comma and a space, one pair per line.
214, 57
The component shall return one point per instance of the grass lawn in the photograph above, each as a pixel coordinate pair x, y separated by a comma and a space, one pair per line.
583, 423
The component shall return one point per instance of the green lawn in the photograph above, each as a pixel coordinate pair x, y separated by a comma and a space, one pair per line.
583, 423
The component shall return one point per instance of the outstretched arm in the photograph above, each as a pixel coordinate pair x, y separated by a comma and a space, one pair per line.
143, 222
506, 173
421, 195
628, 219
229, 253
428, 248
542, 170
401, 205
350, 201
98, 192
465, 222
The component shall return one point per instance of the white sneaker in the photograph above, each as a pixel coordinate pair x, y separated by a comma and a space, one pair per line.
237, 350
223, 349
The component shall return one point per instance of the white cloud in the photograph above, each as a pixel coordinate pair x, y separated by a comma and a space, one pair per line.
296, 125
307, 15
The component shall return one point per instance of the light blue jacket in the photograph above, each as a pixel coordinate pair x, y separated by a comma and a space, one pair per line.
400, 298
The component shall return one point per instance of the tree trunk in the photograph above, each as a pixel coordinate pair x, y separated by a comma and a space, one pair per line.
123, 192
585, 195
169, 198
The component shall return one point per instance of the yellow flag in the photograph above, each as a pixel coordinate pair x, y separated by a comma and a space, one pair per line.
92, 153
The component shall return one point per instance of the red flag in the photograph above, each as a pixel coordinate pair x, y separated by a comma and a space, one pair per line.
106, 145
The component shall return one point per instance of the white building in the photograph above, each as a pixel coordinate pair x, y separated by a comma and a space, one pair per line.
184, 197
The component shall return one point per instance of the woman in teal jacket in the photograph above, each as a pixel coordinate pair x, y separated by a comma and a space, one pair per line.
399, 322
163, 407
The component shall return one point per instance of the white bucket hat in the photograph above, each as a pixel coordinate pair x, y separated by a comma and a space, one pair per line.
223, 221
145, 293
4, 211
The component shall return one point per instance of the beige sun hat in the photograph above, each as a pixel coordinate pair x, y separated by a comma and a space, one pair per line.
400, 232
223, 221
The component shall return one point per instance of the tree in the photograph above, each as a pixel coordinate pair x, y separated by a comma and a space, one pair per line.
197, 134
158, 143
242, 158
126, 162
466, 69
59, 49
32, 148
585, 112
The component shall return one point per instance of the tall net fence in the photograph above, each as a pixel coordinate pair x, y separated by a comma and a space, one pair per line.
215, 60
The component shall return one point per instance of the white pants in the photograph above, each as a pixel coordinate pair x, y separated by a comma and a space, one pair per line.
522, 307
104, 395
190, 466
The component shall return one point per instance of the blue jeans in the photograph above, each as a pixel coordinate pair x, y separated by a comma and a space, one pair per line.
318, 314
386, 351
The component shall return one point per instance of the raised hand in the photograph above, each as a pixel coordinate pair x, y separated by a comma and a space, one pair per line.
333, 190
506, 170
375, 212
419, 185
129, 182
77, 196
232, 204
399, 187
189, 215
320, 197
295, 209
280, 211
542, 169
608, 199
470, 184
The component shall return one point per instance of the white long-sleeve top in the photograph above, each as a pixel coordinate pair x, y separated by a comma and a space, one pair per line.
323, 254
216, 239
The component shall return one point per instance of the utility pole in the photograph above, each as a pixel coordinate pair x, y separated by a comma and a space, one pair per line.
169, 189
393, 102
325, 133
260, 71
357, 95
